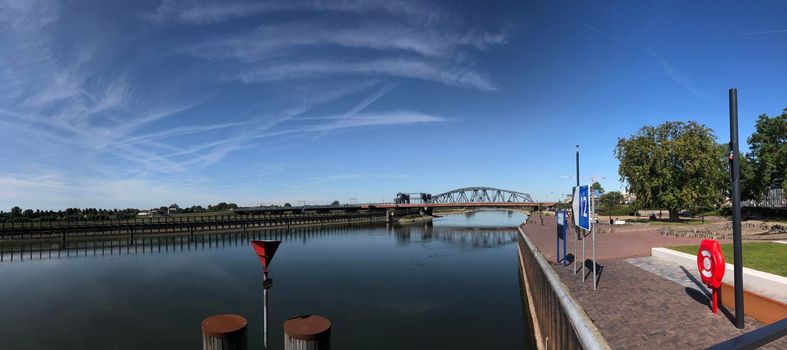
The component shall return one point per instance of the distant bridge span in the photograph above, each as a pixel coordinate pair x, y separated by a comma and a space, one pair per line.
461, 205
481, 195
468, 197
465, 197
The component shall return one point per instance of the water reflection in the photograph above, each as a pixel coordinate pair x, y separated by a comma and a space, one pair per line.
405, 234
484, 218
161, 243
470, 237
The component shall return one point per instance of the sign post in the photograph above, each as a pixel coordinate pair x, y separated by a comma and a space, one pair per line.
735, 197
593, 235
581, 206
584, 210
574, 214
561, 235
265, 251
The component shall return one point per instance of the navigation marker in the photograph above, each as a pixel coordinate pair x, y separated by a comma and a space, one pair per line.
265, 251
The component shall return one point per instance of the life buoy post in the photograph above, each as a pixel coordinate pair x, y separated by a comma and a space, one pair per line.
711, 265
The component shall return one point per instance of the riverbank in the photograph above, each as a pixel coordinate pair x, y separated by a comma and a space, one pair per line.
415, 219
234, 224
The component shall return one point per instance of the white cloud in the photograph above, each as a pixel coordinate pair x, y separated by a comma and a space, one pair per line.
415, 40
88, 107
394, 67
284, 39
678, 76
320, 125
207, 11
59, 191
381, 118
774, 31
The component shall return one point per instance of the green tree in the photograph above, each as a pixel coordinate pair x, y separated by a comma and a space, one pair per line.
16, 211
768, 155
751, 188
675, 165
335, 203
611, 198
287, 204
597, 187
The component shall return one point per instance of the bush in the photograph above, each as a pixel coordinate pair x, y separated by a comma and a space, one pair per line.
758, 212
620, 210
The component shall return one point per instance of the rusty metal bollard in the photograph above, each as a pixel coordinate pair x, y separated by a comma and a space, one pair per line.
308, 332
224, 332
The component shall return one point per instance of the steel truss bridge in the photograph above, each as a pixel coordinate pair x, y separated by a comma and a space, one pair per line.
481, 195
466, 197
476, 197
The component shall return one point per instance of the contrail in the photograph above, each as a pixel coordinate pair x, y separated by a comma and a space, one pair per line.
361, 106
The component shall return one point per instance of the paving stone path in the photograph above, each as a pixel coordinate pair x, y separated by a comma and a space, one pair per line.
671, 271
642, 303
636, 309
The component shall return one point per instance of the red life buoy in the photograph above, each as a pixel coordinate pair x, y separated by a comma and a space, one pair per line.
710, 263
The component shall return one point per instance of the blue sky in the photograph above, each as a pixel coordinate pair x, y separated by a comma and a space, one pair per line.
145, 103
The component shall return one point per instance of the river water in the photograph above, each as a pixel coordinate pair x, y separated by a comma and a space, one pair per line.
452, 284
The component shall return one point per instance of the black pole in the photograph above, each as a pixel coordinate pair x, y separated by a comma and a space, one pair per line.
577, 165
576, 228
735, 196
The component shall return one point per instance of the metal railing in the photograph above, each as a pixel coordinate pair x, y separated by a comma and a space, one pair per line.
559, 320
754, 339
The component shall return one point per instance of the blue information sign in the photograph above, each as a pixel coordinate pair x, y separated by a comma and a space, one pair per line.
581, 207
561, 235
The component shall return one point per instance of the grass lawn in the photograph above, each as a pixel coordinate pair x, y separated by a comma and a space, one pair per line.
764, 256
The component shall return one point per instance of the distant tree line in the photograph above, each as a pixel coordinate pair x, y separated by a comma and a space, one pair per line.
18, 214
211, 208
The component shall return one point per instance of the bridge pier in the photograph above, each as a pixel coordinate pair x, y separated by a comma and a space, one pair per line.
390, 216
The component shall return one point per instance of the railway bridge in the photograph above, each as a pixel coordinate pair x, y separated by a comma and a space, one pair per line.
413, 203
467, 197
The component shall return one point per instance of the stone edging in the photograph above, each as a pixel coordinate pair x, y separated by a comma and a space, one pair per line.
767, 284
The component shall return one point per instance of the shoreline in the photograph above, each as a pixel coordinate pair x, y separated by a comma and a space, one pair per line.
126, 236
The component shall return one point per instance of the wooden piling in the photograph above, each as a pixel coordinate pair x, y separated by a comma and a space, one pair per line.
308, 332
224, 332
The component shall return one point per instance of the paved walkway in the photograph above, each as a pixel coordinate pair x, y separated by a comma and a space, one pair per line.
671, 271
635, 308
625, 241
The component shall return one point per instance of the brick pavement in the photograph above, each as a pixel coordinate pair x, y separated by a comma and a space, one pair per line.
636, 309
627, 241
671, 271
